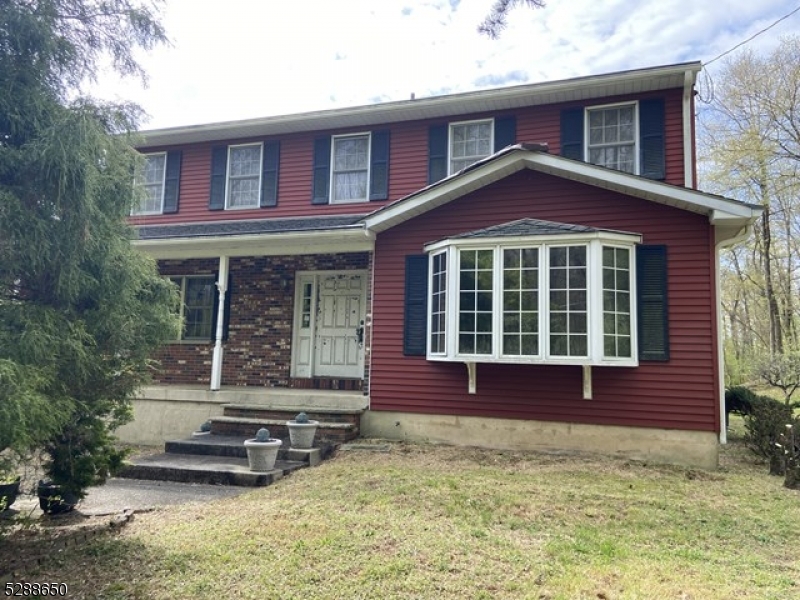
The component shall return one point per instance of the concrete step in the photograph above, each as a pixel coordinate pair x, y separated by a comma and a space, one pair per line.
327, 431
218, 470
233, 446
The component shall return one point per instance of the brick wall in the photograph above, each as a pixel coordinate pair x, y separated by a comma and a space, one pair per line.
258, 351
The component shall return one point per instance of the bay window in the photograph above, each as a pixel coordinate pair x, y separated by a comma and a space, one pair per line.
564, 299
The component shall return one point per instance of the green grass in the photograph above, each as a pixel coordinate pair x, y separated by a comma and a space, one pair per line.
442, 522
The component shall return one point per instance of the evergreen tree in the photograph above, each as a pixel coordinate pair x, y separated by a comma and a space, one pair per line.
81, 311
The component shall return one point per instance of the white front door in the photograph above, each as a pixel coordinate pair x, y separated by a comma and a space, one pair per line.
329, 325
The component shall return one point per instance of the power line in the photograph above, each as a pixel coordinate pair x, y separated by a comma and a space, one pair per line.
752, 37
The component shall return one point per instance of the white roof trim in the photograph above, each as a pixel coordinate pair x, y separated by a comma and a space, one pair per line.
515, 158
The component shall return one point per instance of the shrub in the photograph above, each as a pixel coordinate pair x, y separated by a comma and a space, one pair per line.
763, 427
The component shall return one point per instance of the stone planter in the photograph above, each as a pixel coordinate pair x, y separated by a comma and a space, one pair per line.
261, 456
8, 493
301, 435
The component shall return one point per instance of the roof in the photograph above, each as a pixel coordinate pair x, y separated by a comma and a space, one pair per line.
493, 100
729, 216
260, 226
526, 227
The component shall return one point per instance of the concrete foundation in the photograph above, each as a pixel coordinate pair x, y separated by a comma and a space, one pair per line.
671, 446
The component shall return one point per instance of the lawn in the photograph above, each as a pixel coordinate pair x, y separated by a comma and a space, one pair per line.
422, 521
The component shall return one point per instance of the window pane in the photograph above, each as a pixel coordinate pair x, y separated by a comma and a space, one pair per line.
198, 302
244, 176
476, 278
617, 341
350, 168
151, 181
511, 344
438, 302
469, 142
612, 137
568, 301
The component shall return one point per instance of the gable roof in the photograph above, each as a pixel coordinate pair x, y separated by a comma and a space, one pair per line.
635, 81
729, 216
525, 227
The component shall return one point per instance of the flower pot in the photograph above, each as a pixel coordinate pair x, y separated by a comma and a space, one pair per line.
53, 500
8, 493
301, 435
261, 456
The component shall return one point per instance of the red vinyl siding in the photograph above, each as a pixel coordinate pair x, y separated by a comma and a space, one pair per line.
408, 163
681, 393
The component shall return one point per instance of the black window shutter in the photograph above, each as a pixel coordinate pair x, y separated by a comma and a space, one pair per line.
437, 152
215, 314
219, 168
269, 173
653, 313
415, 325
505, 132
322, 170
379, 166
652, 160
572, 133
172, 181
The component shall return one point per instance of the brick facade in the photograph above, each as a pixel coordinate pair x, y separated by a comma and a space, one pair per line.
258, 351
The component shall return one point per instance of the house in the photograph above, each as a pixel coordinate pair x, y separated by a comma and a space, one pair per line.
524, 267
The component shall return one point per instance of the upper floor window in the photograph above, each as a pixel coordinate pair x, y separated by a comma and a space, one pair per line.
612, 137
244, 176
350, 168
470, 142
628, 137
151, 181
158, 180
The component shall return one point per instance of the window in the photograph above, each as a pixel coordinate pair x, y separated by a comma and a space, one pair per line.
244, 176
151, 178
198, 294
612, 137
350, 169
561, 298
470, 142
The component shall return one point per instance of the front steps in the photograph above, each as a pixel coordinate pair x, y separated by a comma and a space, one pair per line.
219, 457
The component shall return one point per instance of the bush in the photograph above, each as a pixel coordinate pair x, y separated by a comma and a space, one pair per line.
763, 427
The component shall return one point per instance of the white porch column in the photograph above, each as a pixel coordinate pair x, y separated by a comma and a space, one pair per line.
222, 287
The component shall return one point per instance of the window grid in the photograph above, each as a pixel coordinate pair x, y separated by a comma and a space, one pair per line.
350, 172
616, 303
612, 137
476, 273
438, 303
152, 183
244, 176
568, 301
469, 142
197, 306
521, 302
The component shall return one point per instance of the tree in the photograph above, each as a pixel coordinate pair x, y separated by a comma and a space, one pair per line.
81, 311
750, 145
496, 21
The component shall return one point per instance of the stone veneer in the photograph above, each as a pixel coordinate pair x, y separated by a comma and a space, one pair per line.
258, 351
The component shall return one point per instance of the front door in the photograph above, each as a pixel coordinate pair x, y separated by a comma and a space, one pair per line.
329, 325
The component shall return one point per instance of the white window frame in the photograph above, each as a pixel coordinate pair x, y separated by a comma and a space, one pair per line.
332, 187
636, 143
229, 177
445, 294
182, 310
450, 140
594, 243
134, 210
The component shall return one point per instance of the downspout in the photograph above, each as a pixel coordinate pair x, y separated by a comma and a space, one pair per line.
688, 129
222, 288
741, 236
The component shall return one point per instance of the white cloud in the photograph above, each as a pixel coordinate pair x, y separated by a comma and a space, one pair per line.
244, 59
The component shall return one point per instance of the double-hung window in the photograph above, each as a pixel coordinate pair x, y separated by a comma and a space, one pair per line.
470, 142
563, 299
612, 135
151, 180
350, 168
197, 306
244, 176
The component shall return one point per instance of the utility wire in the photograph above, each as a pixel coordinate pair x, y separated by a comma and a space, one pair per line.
752, 37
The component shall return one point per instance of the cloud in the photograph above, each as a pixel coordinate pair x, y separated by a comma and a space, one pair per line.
498, 80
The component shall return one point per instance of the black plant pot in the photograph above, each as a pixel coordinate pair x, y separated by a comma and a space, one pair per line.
53, 500
8, 493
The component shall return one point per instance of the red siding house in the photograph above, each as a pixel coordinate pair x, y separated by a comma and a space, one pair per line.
525, 267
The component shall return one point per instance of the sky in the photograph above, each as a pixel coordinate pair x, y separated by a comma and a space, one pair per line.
243, 59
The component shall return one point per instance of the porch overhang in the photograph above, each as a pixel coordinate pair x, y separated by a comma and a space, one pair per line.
285, 237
